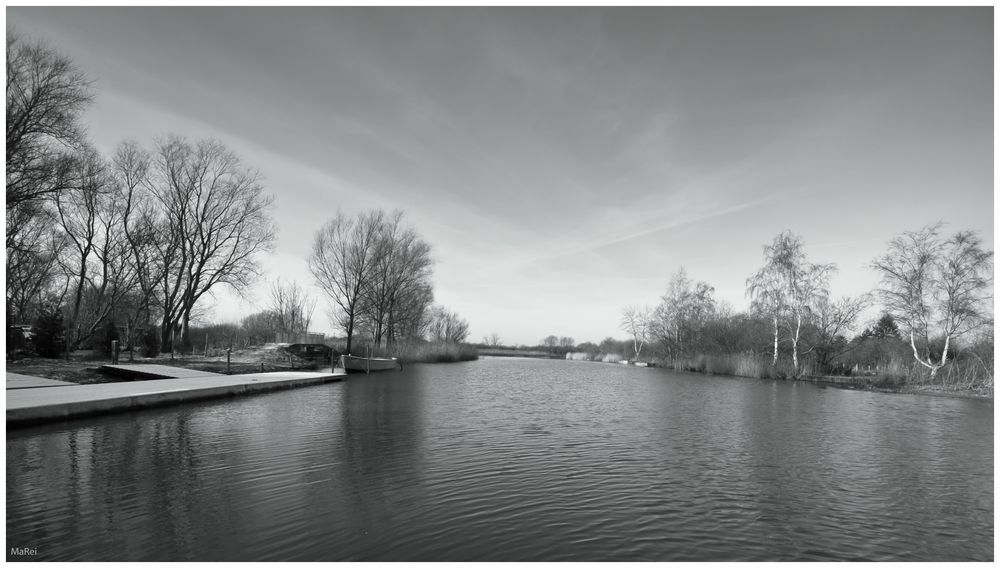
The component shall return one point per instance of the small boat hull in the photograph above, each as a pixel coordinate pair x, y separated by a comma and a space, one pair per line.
354, 364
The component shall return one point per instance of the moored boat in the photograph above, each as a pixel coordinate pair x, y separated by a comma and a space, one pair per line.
355, 364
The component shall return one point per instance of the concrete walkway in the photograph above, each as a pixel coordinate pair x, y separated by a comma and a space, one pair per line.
29, 406
19, 381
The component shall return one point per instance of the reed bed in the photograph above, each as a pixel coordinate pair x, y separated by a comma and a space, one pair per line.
967, 375
439, 353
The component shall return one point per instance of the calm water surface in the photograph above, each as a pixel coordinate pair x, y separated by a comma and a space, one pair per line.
515, 459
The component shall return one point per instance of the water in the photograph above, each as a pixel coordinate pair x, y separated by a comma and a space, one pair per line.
515, 460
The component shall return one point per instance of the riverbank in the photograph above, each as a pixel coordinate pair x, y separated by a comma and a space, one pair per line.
873, 383
83, 366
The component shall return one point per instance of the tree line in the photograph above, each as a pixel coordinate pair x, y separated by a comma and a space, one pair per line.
139, 239
935, 295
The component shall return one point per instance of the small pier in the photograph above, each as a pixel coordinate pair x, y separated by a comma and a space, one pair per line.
35, 405
144, 371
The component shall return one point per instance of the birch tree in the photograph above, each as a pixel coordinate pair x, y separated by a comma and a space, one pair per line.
936, 287
636, 322
682, 313
789, 287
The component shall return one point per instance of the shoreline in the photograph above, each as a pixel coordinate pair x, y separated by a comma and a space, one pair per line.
854, 383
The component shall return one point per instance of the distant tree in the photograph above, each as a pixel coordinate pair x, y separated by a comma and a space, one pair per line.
936, 287
447, 326
401, 266
260, 327
885, 327
636, 322
788, 286
377, 271
291, 307
566, 342
492, 340
682, 313
550, 341
343, 253
830, 324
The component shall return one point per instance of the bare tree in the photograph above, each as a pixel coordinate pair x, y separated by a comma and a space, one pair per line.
936, 287
142, 227
789, 285
46, 94
97, 260
215, 222
492, 340
447, 326
831, 321
344, 251
682, 313
636, 322
401, 262
32, 265
291, 307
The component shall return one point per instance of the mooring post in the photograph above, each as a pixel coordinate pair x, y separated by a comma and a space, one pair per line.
228, 352
114, 351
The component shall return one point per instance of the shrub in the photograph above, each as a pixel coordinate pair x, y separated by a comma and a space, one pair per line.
149, 342
49, 335
102, 341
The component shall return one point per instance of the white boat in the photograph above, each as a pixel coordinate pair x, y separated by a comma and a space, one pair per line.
355, 364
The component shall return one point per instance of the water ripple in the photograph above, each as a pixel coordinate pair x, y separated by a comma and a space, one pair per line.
515, 460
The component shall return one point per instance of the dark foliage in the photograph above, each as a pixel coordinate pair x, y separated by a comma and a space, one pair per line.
149, 342
49, 333
102, 341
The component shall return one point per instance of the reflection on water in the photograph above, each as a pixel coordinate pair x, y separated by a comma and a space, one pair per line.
509, 459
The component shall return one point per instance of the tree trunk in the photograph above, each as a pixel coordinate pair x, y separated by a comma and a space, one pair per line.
795, 344
165, 335
774, 360
186, 332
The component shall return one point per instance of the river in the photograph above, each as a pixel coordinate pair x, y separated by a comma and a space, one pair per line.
514, 460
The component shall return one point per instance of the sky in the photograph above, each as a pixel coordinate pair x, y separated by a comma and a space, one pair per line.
564, 163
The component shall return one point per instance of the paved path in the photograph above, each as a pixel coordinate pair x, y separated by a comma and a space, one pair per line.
18, 381
144, 371
26, 406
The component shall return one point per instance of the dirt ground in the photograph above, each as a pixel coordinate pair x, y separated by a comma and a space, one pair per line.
82, 367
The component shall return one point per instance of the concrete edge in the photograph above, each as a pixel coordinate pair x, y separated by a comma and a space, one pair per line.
57, 412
